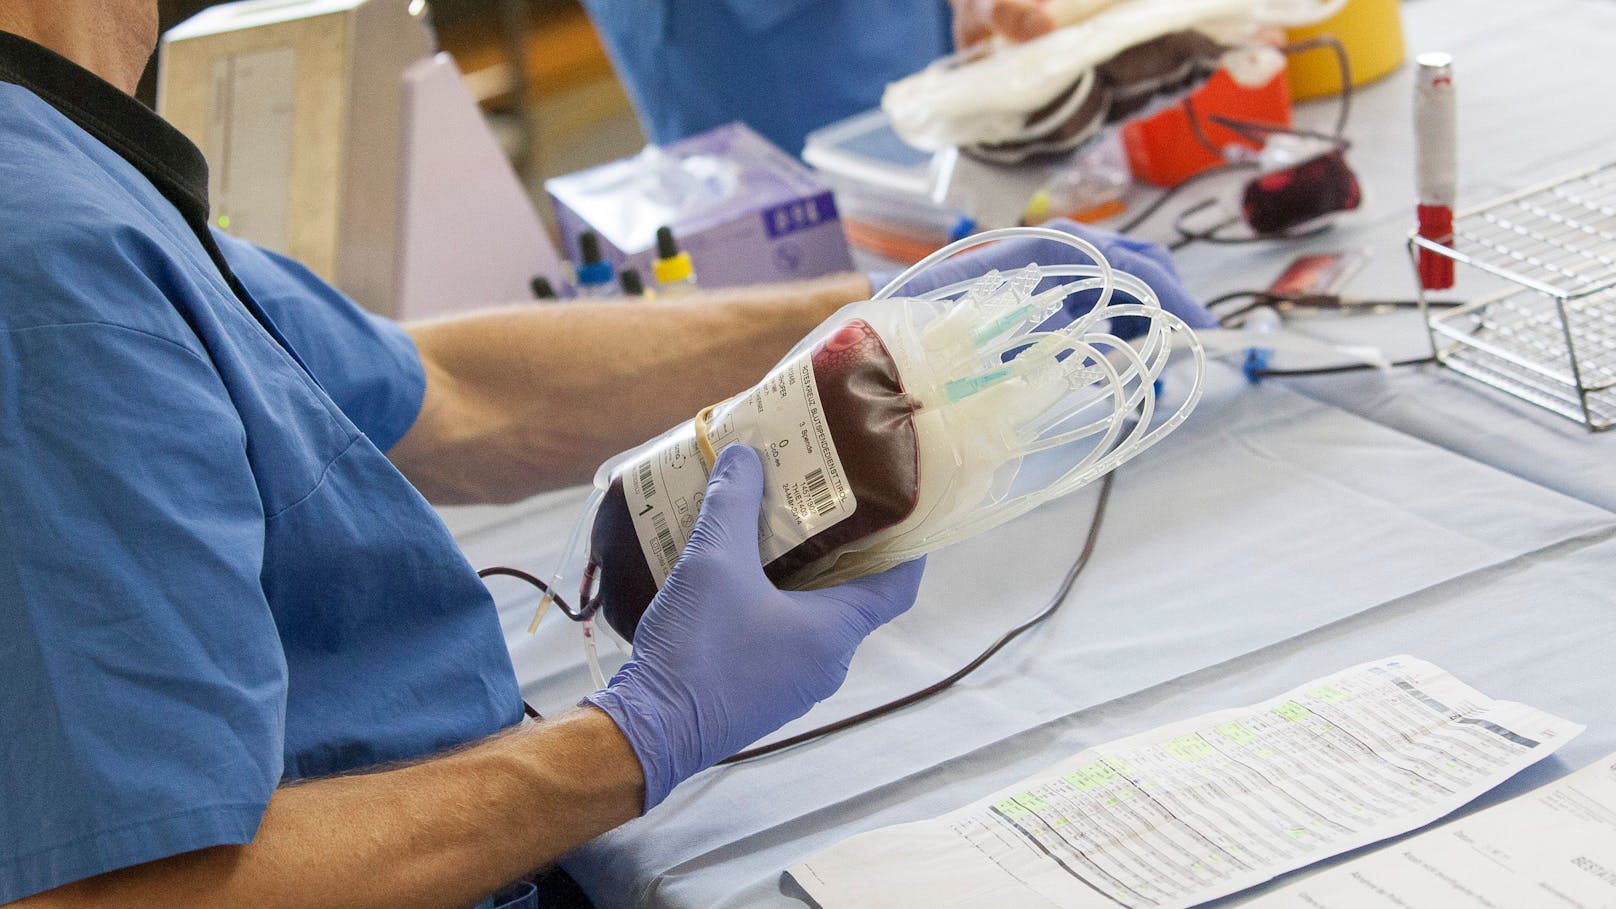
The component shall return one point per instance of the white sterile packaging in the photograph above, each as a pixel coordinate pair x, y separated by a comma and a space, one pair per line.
1050, 92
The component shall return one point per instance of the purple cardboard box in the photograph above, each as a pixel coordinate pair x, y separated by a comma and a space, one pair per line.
744, 210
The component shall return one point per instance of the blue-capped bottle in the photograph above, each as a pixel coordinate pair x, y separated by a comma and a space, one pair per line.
595, 278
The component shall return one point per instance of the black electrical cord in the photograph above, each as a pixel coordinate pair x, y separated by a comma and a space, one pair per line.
1335, 370
1214, 234
1258, 298
544, 588
1261, 298
916, 697
1050, 608
1167, 195
560, 603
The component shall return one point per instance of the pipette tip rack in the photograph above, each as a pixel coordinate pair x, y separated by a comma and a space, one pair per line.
1548, 335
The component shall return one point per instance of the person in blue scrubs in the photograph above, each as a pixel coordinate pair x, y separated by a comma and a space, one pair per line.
785, 67
242, 662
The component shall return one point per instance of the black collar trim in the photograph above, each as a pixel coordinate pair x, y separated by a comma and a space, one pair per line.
159, 151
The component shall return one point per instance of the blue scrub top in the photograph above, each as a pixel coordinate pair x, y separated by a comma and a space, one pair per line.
211, 578
785, 67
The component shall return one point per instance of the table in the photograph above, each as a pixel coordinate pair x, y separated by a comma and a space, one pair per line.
1288, 530
1527, 77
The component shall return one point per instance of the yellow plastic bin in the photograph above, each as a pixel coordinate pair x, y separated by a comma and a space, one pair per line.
1371, 31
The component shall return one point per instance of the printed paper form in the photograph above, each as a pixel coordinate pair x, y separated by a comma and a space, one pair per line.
1206, 807
1555, 846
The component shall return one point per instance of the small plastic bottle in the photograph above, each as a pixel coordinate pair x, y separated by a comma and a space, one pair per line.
629, 280
594, 274
675, 276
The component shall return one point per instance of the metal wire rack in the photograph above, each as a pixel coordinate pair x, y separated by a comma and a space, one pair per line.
1548, 337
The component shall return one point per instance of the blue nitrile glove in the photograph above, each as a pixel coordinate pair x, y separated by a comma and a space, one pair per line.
1147, 261
723, 658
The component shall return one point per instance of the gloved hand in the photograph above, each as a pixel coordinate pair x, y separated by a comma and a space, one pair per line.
1145, 260
722, 657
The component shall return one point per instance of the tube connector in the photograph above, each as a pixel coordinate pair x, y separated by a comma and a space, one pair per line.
993, 299
1262, 320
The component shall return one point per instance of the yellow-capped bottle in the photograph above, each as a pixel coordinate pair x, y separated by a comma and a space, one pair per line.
674, 274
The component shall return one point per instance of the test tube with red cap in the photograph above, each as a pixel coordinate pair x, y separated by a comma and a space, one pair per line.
1436, 163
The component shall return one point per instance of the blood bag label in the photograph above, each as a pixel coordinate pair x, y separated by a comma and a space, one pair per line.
805, 489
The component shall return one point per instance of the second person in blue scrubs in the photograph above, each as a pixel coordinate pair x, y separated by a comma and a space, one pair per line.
785, 67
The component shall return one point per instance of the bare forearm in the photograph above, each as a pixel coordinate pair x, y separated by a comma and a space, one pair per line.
445, 832
535, 397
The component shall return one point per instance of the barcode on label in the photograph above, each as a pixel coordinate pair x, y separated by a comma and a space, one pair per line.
664, 538
647, 485
819, 492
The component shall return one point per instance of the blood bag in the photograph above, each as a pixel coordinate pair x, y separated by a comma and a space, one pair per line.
899, 425
1054, 92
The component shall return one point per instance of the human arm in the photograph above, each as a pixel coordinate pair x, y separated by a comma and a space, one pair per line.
149, 698
443, 832
146, 708
721, 659
534, 397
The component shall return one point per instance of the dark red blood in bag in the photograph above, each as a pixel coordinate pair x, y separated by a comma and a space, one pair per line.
1283, 199
871, 421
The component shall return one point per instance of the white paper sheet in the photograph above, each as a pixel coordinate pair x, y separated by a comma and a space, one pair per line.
1206, 807
1554, 846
